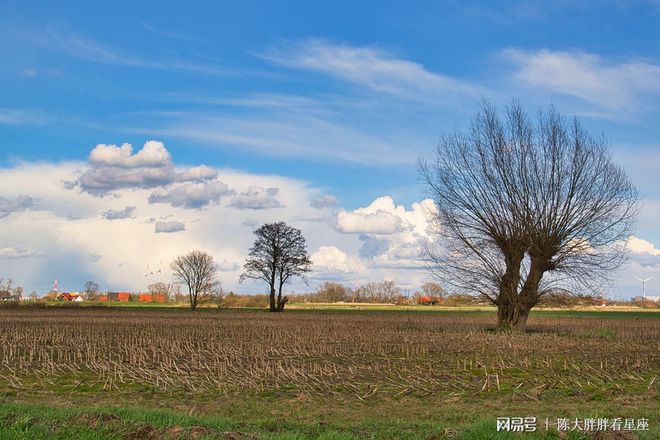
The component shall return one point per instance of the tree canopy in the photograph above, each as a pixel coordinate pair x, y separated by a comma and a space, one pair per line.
278, 254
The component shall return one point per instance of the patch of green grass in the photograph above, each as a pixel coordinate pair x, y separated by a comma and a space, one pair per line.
601, 333
279, 418
39, 422
48, 423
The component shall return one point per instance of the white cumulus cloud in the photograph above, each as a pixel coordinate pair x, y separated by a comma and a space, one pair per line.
9, 205
125, 213
391, 235
192, 195
380, 217
16, 252
75, 242
640, 246
114, 167
152, 154
169, 226
256, 197
333, 259
324, 201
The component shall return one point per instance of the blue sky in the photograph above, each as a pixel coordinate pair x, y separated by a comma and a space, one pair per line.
327, 99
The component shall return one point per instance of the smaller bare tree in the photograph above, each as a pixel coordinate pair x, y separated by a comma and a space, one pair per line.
433, 290
217, 297
330, 292
5, 285
91, 290
199, 273
161, 289
377, 292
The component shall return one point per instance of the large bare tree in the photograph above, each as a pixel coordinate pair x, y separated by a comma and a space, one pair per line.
526, 206
199, 273
278, 254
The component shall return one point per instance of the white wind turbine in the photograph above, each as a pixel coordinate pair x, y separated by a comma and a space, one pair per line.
643, 285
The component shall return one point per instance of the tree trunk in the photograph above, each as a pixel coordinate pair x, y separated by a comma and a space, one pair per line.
281, 302
273, 307
513, 311
511, 317
508, 303
193, 301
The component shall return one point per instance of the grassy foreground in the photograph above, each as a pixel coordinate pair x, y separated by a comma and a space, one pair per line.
33, 421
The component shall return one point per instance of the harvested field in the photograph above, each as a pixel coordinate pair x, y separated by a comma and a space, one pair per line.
358, 355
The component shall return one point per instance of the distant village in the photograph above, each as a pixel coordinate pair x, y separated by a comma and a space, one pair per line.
107, 297
16, 294
431, 294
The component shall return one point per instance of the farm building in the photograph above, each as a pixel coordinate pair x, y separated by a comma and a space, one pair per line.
430, 300
148, 297
69, 296
118, 297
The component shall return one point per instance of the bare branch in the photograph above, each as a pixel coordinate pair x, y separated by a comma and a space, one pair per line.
198, 272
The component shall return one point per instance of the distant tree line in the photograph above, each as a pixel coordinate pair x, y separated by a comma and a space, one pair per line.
383, 292
376, 292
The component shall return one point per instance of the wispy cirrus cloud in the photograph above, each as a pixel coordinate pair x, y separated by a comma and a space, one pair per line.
169, 33
353, 125
13, 116
251, 101
371, 67
89, 49
610, 86
291, 133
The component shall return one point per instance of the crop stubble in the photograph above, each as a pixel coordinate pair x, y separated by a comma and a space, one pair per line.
364, 355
